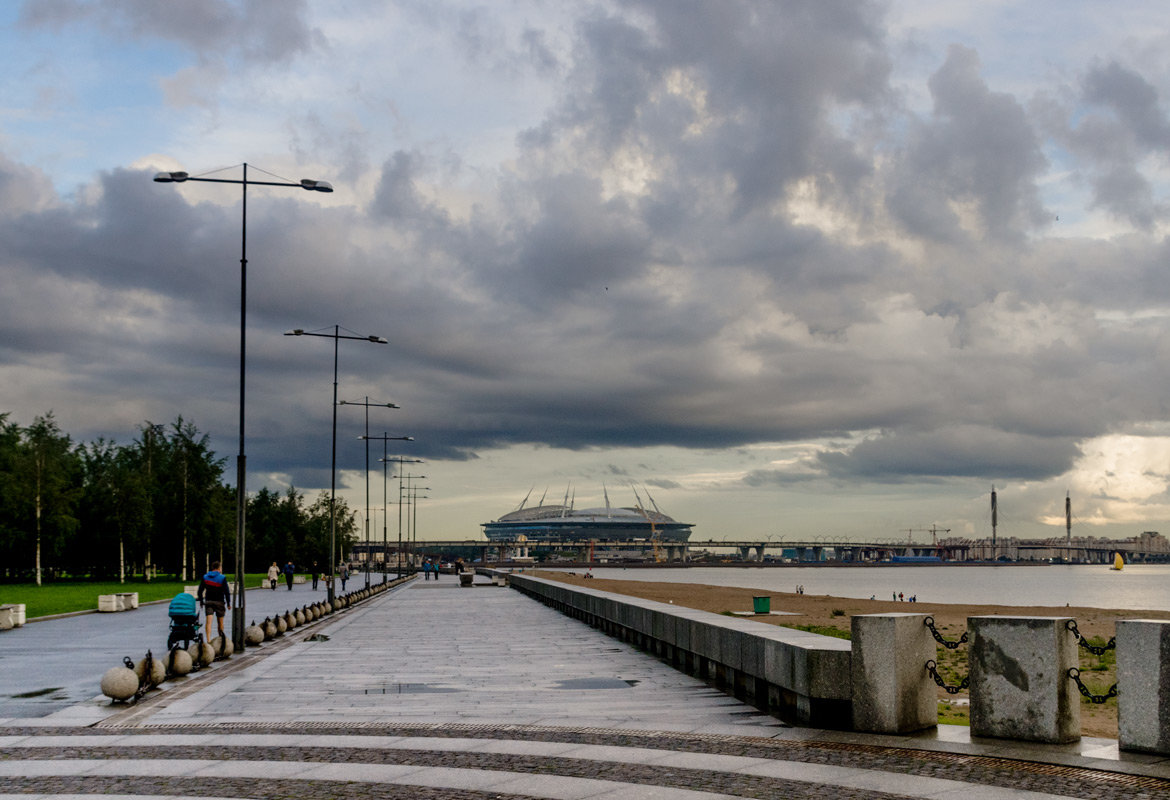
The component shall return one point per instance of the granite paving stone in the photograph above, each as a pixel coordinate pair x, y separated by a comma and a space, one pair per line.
433, 691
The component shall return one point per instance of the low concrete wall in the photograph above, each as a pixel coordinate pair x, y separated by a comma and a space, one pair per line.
800, 676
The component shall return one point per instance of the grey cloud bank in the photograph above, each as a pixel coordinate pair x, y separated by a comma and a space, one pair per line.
699, 226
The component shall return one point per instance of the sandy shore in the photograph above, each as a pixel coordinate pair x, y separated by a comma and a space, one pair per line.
824, 611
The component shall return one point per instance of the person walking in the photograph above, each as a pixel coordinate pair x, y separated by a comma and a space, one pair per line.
343, 574
316, 574
427, 570
273, 576
215, 596
289, 569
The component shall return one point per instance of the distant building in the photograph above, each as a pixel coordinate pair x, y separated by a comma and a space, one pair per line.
565, 523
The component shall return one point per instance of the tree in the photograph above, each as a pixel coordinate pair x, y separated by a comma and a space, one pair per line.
190, 490
47, 487
10, 532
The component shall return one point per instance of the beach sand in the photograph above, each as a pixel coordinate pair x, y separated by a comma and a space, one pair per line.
825, 611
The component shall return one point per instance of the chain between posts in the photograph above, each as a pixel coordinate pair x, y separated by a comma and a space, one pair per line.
1097, 699
932, 668
1083, 642
929, 622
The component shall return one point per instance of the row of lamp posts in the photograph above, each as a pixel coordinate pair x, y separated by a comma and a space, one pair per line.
239, 606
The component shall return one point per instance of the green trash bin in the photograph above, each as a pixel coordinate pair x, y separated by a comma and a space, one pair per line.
762, 605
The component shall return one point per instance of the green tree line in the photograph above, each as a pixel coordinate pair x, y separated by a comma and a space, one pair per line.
156, 505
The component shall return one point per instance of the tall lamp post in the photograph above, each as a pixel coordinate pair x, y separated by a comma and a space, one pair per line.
384, 438
241, 460
336, 336
407, 478
367, 405
399, 460
414, 498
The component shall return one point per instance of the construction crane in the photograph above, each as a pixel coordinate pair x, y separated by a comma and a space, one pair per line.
655, 536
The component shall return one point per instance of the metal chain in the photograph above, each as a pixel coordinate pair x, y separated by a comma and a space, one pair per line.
1097, 699
931, 667
1083, 642
146, 682
929, 622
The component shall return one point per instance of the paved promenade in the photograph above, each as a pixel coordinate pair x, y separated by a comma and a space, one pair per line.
435, 691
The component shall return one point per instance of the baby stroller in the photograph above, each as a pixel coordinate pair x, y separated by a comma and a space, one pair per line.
184, 621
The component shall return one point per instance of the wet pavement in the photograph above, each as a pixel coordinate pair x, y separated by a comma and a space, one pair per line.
431, 690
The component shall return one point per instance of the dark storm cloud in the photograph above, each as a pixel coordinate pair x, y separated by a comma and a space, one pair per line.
954, 451
978, 147
256, 30
727, 229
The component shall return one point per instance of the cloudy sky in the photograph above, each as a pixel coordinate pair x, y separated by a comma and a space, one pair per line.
802, 269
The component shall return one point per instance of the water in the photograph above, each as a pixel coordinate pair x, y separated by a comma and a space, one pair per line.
1136, 588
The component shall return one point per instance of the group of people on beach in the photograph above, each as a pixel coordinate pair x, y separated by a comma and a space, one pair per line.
900, 597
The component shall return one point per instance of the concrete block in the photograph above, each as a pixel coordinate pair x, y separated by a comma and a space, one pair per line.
826, 668
892, 690
731, 646
1020, 688
1143, 685
7, 618
108, 602
752, 655
779, 663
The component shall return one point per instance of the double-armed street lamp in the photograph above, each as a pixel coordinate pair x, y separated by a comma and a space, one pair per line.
414, 498
384, 438
241, 469
367, 405
407, 485
336, 336
399, 460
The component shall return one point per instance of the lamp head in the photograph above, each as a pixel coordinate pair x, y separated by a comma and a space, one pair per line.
170, 177
295, 332
316, 186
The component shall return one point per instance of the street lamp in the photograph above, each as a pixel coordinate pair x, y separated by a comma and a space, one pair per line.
336, 336
399, 460
367, 405
241, 460
414, 498
408, 479
384, 438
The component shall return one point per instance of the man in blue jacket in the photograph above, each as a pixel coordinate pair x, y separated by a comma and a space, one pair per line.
215, 596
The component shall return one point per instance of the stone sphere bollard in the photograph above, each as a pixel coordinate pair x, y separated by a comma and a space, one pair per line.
179, 662
300, 617
281, 625
119, 683
337, 604
269, 628
253, 634
158, 670
290, 620
222, 647
201, 653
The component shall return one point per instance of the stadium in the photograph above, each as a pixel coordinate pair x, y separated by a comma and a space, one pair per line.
564, 523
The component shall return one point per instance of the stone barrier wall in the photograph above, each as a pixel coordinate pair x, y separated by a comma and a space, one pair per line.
1021, 669
804, 677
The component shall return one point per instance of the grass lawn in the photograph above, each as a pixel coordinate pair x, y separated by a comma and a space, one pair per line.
65, 596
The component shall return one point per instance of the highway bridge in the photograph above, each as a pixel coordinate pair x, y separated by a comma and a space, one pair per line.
1146, 548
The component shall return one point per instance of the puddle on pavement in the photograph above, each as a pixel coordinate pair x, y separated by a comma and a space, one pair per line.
37, 693
410, 688
594, 683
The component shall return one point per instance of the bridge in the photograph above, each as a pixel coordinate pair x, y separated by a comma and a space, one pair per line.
1149, 547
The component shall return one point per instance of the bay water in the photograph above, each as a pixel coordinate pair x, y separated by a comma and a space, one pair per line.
1137, 587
